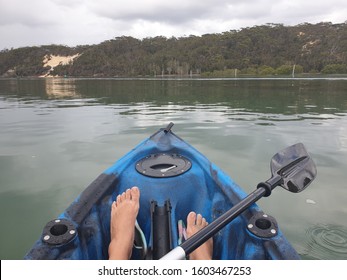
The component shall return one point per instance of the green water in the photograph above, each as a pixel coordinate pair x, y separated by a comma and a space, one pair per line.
59, 134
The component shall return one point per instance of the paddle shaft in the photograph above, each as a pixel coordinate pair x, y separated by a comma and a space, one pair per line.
211, 229
292, 168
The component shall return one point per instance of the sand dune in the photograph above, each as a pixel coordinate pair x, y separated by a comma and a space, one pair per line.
55, 60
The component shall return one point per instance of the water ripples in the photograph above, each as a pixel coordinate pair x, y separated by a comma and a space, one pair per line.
223, 113
326, 242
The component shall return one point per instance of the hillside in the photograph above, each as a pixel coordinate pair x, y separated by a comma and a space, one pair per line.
259, 50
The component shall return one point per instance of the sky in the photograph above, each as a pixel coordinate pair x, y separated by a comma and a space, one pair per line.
80, 22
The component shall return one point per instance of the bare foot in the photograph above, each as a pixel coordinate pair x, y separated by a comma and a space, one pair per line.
196, 222
123, 216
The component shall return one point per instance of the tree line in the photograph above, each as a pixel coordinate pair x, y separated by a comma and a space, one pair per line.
271, 49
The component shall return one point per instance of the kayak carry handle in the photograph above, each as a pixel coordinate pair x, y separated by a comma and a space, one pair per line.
168, 128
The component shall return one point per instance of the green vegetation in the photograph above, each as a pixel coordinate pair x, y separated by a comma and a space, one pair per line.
266, 50
335, 69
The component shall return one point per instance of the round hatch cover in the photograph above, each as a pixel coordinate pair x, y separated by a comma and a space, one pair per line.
163, 165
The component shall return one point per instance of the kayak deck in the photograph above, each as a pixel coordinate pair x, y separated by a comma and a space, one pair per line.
164, 168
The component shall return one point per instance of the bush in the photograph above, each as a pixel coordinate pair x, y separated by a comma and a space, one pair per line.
227, 73
335, 69
249, 71
266, 70
298, 69
284, 70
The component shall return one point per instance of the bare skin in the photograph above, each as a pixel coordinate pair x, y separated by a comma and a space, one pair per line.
123, 216
122, 225
196, 222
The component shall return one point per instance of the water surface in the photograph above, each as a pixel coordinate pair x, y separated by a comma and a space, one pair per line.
57, 135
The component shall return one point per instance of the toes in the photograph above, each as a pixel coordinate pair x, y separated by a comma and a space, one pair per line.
128, 194
113, 207
199, 220
135, 193
119, 199
123, 196
191, 219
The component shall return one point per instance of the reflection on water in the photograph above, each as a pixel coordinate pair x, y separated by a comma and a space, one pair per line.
288, 97
57, 88
57, 135
326, 242
264, 102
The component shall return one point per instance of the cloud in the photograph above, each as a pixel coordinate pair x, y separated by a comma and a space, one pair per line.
29, 13
178, 11
73, 22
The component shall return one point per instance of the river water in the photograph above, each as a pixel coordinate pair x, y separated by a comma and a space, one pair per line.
57, 135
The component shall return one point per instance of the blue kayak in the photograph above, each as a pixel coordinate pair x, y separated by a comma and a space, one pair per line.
174, 179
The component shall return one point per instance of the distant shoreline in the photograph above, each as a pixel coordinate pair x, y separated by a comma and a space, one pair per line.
270, 51
241, 77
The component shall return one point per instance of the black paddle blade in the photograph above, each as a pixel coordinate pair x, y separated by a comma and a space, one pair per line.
295, 167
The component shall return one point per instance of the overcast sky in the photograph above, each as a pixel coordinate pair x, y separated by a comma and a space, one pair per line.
77, 22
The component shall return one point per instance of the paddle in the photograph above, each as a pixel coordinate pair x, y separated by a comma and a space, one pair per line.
292, 168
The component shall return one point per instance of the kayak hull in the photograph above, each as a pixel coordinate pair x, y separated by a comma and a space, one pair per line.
82, 231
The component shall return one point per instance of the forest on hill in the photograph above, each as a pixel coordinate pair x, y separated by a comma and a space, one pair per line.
271, 49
